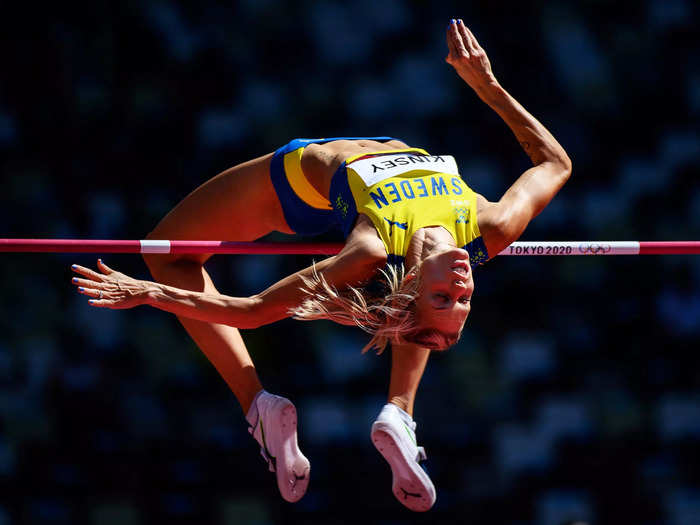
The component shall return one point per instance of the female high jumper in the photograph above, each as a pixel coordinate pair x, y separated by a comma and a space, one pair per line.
399, 207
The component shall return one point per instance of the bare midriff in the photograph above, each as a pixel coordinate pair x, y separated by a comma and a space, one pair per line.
320, 161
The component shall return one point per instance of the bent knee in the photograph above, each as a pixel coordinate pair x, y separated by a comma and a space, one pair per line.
170, 268
177, 270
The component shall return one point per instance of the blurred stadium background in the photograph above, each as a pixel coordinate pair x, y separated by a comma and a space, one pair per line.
574, 393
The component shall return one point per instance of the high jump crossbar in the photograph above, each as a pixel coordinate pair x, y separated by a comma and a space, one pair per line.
557, 248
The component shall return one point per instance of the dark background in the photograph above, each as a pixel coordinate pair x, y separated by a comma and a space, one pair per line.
574, 392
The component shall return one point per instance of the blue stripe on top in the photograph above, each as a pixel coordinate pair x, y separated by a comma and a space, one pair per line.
478, 254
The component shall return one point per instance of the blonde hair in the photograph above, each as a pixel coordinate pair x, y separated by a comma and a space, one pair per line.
387, 317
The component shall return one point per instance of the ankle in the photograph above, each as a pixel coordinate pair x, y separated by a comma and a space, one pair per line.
402, 403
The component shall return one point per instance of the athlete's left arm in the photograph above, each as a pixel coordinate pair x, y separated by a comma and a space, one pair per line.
503, 222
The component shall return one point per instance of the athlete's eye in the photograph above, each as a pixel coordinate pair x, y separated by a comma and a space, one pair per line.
464, 299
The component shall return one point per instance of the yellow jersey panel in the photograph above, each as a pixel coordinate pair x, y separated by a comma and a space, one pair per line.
401, 192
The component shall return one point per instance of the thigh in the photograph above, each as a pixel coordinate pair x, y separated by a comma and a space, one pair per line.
239, 204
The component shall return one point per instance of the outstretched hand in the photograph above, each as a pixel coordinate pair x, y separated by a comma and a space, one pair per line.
468, 57
110, 289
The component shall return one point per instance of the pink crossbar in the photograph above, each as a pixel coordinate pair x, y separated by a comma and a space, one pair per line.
150, 246
554, 248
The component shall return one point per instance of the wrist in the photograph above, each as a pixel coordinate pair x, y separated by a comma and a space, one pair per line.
489, 90
150, 292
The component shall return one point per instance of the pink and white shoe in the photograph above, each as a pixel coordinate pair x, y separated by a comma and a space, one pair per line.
276, 432
394, 436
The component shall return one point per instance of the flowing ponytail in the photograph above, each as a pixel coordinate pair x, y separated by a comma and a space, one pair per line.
387, 316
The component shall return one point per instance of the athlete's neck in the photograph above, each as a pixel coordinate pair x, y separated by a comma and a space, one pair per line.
426, 242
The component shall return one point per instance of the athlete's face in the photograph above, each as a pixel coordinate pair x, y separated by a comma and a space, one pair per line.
444, 301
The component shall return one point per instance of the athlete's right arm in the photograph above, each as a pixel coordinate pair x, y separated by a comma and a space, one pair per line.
112, 289
503, 222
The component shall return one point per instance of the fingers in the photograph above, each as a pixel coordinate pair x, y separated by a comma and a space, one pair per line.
98, 286
473, 39
455, 42
85, 283
91, 292
89, 287
451, 31
104, 303
461, 39
97, 297
103, 267
467, 37
90, 274
87, 272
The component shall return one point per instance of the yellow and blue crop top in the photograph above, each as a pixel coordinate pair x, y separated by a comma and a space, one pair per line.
404, 190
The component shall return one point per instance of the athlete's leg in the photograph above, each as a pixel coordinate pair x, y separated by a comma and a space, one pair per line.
407, 367
394, 431
238, 205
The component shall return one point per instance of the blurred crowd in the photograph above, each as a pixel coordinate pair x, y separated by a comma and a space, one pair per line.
574, 393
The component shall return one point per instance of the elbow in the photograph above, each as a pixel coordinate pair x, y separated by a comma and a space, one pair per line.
377, 257
563, 163
503, 228
559, 167
371, 255
566, 166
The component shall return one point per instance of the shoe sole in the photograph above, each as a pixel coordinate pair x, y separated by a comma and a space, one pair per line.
292, 467
410, 484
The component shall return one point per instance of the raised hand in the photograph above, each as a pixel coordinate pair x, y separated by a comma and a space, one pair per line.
110, 289
468, 57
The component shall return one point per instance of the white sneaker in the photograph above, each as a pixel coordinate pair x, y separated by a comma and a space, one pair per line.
394, 436
276, 431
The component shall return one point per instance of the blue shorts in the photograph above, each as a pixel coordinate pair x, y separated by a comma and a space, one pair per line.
306, 211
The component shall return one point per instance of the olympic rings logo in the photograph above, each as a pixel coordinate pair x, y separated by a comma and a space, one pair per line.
594, 249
